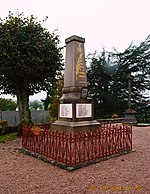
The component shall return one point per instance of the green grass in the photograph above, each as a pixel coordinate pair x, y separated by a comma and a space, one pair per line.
7, 137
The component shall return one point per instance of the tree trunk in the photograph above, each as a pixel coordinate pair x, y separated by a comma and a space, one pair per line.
23, 103
19, 107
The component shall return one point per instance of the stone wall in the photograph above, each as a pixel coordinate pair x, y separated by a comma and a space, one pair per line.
12, 117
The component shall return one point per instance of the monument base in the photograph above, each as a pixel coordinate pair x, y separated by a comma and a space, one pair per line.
130, 117
76, 127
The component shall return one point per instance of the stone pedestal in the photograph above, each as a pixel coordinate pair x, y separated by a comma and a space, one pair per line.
76, 127
130, 117
75, 107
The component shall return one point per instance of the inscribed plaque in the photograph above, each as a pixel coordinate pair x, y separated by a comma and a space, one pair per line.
83, 110
66, 110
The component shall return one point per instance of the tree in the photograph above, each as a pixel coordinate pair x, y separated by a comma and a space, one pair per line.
50, 93
29, 59
136, 60
108, 78
56, 96
7, 104
35, 104
103, 86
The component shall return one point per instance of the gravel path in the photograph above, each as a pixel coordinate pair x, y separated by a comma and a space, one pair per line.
22, 174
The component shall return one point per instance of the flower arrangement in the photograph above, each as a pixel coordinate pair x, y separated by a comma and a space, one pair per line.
37, 130
114, 116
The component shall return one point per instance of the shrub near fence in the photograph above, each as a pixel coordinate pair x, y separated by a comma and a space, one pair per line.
72, 149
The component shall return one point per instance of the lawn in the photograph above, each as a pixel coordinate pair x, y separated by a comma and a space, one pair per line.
7, 137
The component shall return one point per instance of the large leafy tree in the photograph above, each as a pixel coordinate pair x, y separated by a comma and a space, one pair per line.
30, 58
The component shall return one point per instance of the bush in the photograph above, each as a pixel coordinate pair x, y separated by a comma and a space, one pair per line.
8, 129
3, 123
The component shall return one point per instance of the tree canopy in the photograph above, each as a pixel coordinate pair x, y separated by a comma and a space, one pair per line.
30, 58
35, 105
108, 78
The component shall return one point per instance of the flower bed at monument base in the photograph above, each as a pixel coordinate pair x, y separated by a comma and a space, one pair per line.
71, 151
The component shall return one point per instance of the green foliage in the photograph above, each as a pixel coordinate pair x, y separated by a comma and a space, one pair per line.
54, 93
136, 59
103, 85
35, 104
55, 98
108, 78
54, 107
50, 93
7, 104
46, 102
8, 137
143, 115
29, 54
30, 58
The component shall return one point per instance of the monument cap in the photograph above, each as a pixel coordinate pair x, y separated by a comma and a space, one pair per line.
75, 38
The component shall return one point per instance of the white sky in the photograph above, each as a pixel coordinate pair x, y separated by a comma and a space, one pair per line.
103, 23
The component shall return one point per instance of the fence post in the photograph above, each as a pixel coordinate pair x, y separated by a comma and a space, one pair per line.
70, 154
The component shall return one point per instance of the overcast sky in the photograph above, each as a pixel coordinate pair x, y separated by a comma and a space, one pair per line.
103, 23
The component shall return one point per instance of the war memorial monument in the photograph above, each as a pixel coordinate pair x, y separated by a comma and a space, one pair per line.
75, 108
76, 139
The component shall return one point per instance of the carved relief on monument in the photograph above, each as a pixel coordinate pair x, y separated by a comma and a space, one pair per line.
80, 66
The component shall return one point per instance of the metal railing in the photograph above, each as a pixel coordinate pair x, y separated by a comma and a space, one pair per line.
76, 148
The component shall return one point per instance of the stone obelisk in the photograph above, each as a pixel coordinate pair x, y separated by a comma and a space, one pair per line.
75, 107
